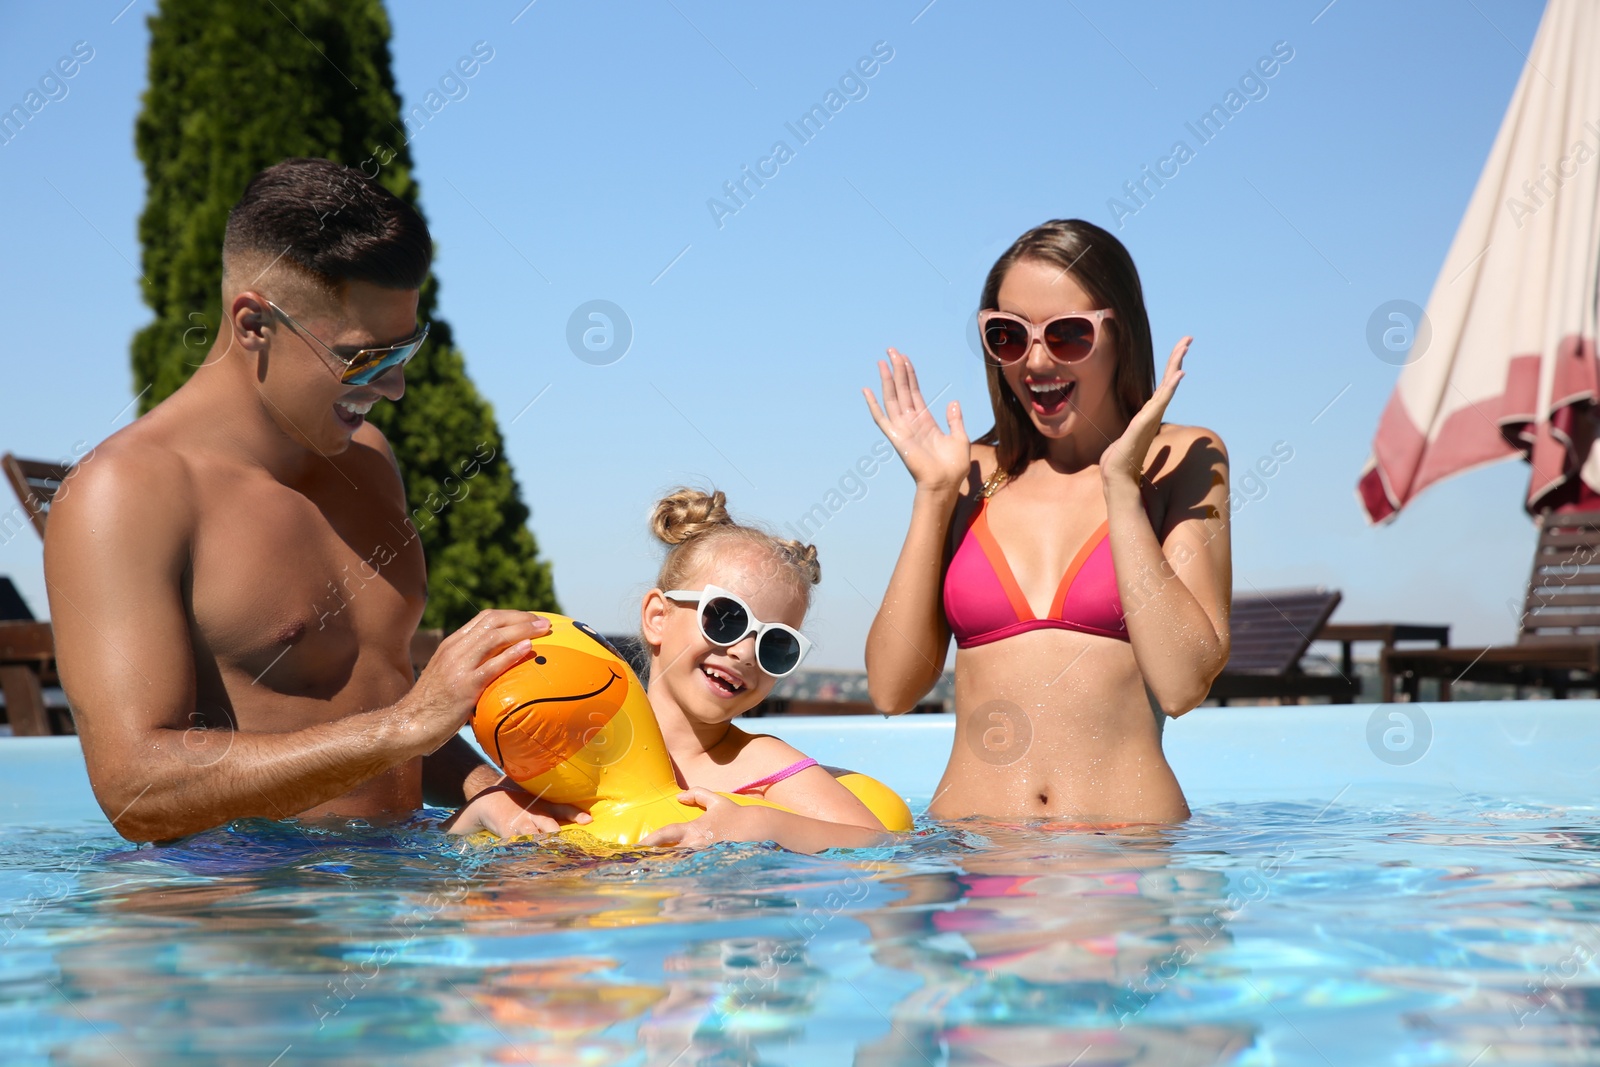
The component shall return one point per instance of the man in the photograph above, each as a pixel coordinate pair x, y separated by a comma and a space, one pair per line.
220, 660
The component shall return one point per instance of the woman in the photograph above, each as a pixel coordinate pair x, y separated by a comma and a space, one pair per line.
1078, 552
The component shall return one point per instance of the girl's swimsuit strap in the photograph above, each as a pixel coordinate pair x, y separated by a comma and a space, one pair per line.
778, 776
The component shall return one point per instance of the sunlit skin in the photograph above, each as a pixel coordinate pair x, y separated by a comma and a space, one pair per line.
698, 688
234, 586
1095, 705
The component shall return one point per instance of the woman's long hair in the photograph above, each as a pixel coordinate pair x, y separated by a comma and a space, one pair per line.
1098, 262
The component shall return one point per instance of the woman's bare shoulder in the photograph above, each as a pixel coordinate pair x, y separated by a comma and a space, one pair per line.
1190, 441
1177, 432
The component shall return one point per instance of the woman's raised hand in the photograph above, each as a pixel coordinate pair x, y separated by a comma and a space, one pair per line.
1124, 459
936, 459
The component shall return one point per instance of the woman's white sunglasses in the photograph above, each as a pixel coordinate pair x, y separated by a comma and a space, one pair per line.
725, 620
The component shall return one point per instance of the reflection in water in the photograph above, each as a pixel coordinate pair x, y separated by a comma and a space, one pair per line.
1253, 934
730, 998
1049, 944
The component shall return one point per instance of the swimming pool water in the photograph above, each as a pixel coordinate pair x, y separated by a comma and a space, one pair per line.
1362, 915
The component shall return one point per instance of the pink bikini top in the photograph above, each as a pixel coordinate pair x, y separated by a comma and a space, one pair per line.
777, 776
984, 603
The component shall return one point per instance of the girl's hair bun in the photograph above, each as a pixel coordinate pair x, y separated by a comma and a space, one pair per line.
696, 526
804, 558
686, 513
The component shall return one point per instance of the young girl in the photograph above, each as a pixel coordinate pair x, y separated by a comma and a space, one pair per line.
722, 625
1078, 552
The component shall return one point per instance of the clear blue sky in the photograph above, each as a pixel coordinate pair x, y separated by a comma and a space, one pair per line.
579, 164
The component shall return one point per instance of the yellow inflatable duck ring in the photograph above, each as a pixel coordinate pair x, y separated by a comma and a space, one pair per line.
571, 723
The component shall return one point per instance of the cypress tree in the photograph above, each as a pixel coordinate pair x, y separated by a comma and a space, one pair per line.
235, 88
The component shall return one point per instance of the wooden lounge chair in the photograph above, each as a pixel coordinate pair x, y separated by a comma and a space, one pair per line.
27, 647
1386, 634
1270, 635
27, 667
35, 482
1558, 636
12, 607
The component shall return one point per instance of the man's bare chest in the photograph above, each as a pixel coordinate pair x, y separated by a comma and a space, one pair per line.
293, 590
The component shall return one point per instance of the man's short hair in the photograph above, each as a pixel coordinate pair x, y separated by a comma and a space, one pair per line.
332, 222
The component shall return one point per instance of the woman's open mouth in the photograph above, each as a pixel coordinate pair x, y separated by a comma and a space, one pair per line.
1050, 398
720, 682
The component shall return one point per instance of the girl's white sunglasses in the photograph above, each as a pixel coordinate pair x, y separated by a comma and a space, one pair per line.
726, 620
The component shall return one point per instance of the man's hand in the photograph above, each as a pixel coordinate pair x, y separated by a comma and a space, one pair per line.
447, 691
724, 820
508, 811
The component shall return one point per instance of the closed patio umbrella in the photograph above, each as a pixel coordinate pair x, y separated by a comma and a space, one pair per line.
1510, 367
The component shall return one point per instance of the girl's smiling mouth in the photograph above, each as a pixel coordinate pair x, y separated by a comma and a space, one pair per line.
721, 682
